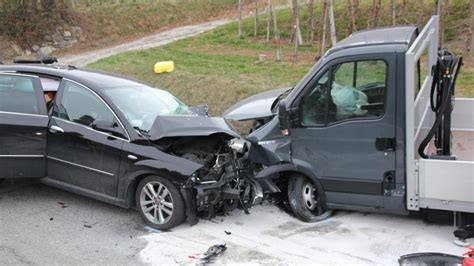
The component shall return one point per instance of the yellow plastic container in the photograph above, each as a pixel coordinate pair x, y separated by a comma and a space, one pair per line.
164, 67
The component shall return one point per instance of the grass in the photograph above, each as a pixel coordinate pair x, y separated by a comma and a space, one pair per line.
219, 69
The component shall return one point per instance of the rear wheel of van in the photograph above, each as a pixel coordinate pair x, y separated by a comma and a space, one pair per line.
160, 203
305, 200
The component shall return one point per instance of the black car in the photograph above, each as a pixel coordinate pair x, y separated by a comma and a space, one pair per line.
120, 141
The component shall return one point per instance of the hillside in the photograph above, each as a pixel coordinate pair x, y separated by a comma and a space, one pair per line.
62, 28
219, 68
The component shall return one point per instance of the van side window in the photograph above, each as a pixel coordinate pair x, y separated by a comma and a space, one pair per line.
81, 106
18, 95
355, 90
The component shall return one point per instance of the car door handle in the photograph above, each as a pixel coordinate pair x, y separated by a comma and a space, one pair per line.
56, 129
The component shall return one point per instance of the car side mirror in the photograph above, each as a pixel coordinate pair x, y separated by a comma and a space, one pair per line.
107, 126
284, 118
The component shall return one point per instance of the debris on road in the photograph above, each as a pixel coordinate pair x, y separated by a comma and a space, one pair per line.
213, 252
51, 218
151, 229
429, 258
62, 204
227, 232
87, 226
464, 233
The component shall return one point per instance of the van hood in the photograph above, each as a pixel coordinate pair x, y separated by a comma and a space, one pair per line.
189, 125
258, 106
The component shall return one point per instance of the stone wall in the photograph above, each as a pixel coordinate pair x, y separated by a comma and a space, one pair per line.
62, 38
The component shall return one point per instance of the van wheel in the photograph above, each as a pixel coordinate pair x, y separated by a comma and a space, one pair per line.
305, 200
160, 203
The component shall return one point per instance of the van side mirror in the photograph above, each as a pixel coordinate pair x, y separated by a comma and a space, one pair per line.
284, 118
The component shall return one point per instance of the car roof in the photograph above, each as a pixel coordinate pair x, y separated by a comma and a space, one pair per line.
394, 35
90, 78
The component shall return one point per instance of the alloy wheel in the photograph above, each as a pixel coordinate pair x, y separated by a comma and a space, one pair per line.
156, 202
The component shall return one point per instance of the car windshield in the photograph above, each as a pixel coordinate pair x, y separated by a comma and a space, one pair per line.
142, 104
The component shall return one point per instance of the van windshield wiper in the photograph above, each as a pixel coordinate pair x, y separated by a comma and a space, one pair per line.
142, 131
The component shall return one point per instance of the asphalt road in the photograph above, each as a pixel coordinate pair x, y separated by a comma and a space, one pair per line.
43, 225
46, 226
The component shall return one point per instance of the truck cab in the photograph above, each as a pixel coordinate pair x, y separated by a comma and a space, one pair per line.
346, 136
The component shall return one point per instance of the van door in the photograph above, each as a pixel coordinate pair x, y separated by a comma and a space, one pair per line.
346, 130
23, 126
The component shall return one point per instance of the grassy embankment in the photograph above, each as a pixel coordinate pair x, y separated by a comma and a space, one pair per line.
219, 68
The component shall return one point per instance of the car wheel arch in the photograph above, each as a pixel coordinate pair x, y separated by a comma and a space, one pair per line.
137, 176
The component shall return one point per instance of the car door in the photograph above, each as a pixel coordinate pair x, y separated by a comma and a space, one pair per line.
23, 124
78, 154
346, 130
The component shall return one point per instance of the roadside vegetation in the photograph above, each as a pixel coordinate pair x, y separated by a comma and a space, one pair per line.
101, 22
219, 68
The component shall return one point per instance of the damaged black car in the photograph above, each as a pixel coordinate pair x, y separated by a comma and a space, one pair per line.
121, 141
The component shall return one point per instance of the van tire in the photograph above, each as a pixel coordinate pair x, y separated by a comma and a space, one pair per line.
305, 200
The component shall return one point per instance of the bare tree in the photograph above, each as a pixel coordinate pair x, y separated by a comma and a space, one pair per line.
353, 6
296, 30
332, 24
421, 14
296, 27
393, 9
401, 10
279, 53
375, 14
269, 18
255, 27
470, 39
439, 12
310, 22
322, 47
240, 18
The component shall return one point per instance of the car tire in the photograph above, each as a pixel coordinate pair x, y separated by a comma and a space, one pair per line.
160, 203
305, 200
1, 180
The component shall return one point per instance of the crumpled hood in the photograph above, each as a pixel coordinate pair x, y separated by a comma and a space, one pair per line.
189, 125
254, 107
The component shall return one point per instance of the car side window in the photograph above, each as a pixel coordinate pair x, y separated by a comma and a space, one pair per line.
80, 105
18, 95
353, 90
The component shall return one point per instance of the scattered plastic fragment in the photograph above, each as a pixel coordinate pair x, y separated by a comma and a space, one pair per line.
51, 218
63, 205
212, 252
151, 229
87, 226
227, 232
